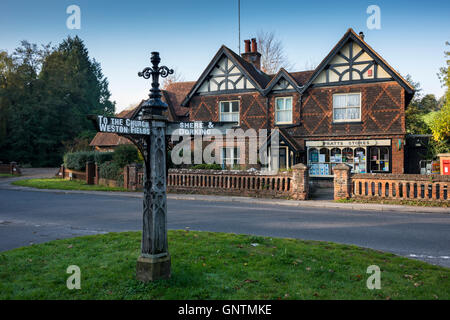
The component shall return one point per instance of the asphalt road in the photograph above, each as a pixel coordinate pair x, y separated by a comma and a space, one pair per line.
28, 217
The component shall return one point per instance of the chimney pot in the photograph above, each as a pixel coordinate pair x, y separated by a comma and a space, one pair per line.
361, 35
254, 45
247, 46
252, 56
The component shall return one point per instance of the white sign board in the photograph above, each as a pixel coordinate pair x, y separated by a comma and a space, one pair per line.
123, 126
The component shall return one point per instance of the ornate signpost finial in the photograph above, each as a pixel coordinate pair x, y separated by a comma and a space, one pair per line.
155, 72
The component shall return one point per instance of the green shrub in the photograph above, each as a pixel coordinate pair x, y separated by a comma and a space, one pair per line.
111, 170
125, 154
102, 157
207, 166
77, 160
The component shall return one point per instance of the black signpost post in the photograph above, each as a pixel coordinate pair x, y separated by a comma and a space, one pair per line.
148, 132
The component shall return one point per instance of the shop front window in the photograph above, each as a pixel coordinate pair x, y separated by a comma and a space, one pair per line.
322, 162
313, 155
359, 160
379, 159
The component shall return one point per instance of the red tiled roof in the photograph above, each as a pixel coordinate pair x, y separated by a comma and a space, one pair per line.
173, 95
302, 77
260, 77
105, 139
176, 92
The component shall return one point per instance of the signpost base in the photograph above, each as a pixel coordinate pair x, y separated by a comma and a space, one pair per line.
150, 269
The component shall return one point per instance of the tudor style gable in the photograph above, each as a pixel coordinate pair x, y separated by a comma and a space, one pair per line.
353, 61
282, 82
224, 76
228, 73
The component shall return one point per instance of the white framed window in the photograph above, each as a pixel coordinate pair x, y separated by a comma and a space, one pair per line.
346, 107
283, 110
229, 111
230, 156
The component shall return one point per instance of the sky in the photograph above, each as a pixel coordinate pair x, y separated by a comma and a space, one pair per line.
188, 33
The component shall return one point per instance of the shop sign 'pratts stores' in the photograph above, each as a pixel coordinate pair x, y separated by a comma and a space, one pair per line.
363, 156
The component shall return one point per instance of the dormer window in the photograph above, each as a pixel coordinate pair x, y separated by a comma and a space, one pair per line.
283, 110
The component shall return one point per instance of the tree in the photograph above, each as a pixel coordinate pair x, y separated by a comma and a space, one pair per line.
443, 74
176, 76
440, 124
414, 114
21, 104
428, 103
6, 68
45, 95
272, 53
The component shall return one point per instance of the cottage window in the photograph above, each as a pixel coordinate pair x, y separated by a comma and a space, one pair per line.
283, 110
347, 107
230, 156
229, 111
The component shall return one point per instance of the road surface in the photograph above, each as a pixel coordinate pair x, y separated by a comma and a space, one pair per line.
28, 217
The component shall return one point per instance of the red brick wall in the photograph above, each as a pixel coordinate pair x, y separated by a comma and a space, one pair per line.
253, 110
382, 114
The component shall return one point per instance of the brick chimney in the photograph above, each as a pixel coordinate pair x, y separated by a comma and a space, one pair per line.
361, 35
252, 56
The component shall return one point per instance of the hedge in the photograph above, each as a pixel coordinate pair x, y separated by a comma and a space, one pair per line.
77, 160
111, 170
125, 154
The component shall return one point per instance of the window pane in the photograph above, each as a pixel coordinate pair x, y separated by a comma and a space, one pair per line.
234, 117
280, 104
335, 151
353, 100
353, 113
289, 104
225, 107
314, 155
339, 101
339, 114
235, 106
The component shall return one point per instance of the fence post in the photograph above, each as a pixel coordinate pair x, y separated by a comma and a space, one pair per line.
90, 172
126, 178
130, 177
97, 174
342, 182
300, 182
13, 168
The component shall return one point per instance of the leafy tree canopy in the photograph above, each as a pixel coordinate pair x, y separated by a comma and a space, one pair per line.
45, 94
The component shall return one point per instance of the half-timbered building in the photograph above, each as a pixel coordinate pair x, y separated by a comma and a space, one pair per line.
350, 109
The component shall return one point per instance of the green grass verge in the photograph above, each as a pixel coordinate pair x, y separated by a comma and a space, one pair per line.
7, 175
208, 265
417, 203
56, 183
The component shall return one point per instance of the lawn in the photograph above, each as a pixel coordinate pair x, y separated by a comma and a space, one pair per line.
208, 265
7, 175
418, 203
56, 183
